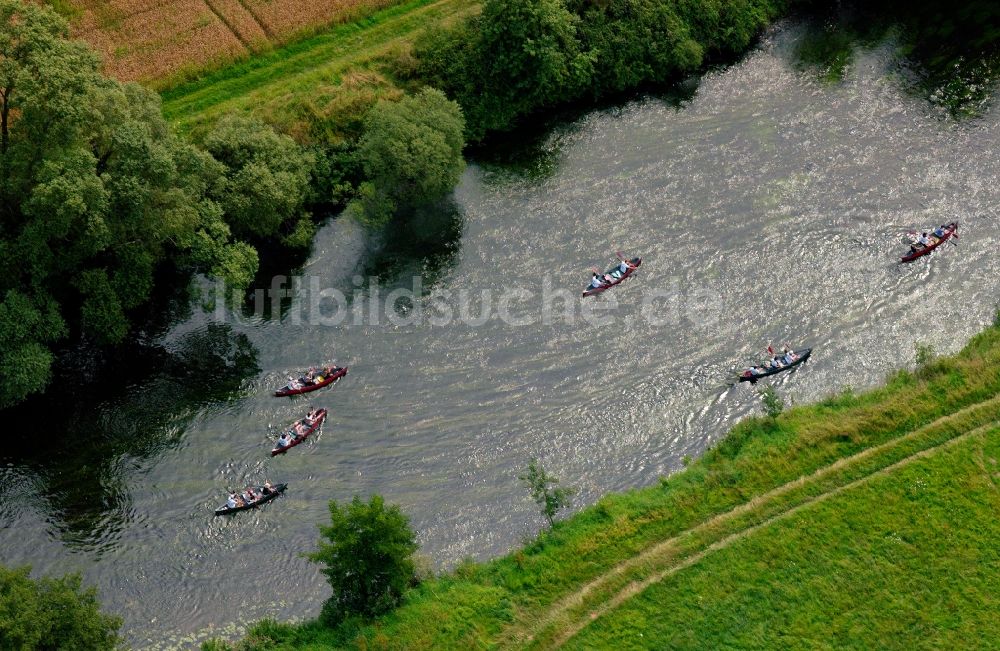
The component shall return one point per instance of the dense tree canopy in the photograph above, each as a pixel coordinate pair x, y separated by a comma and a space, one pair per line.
95, 193
515, 57
367, 552
51, 614
636, 42
411, 153
266, 182
522, 56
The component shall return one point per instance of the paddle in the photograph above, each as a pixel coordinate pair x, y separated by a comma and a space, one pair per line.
621, 256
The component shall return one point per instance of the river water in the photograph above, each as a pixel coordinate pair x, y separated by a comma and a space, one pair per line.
767, 203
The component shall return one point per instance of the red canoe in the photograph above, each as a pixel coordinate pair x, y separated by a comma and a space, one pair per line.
311, 426
590, 291
330, 375
949, 230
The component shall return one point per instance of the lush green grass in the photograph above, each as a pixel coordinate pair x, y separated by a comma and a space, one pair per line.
516, 598
317, 87
907, 560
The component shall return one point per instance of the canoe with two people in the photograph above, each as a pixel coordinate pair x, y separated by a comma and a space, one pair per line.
617, 274
314, 378
250, 497
926, 242
299, 431
786, 360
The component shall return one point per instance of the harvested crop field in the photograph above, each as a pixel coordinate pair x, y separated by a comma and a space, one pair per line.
151, 40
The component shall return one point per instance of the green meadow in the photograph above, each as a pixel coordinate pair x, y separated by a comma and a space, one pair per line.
905, 559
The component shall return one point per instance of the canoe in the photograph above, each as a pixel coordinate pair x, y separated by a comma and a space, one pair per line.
330, 375
320, 417
949, 230
590, 291
803, 356
278, 489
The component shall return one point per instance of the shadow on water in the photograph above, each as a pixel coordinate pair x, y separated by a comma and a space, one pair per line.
82, 436
276, 260
829, 43
423, 244
963, 87
958, 79
532, 151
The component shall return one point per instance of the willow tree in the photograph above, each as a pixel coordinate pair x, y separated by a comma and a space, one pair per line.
367, 553
516, 57
53, 613
411, 153
96, 193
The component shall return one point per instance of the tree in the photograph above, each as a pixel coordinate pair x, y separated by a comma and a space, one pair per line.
266, 179
96, 193
637, 42
773, 403
368, 554
544, 491
411, 153
525, 56
52, 614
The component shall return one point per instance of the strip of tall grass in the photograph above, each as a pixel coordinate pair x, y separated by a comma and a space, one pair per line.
303, 83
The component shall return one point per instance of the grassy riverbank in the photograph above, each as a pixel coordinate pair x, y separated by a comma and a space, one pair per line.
316, 88
886, 494
903, 559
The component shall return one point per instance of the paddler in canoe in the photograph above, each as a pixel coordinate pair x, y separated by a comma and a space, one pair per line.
598, 281
925, 239
776, 362
309, 378
623, 268
300, 428
601, 281
922, 241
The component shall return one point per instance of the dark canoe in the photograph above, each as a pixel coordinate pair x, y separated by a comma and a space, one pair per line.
949, 230
299, 439
590, 291
803, 356
330, 375
277, 490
